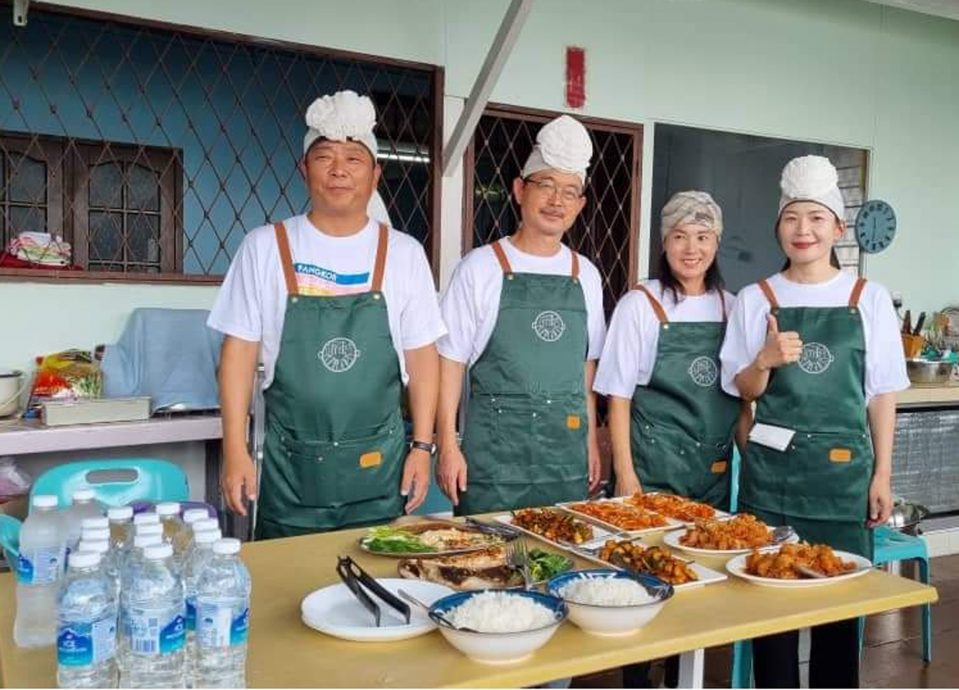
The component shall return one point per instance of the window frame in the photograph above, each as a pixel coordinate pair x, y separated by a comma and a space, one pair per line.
436, 74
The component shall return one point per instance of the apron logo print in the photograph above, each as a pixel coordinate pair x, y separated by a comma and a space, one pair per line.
549, 326
704, 372
816, 358
339, 354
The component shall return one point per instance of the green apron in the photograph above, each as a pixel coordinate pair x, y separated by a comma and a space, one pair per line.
526, 424
820, 483
682, 422
335, 446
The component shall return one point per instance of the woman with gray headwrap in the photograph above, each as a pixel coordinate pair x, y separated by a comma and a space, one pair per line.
671, 425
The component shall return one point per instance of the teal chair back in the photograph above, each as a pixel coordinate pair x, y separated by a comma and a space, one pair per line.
10, 538
116, 482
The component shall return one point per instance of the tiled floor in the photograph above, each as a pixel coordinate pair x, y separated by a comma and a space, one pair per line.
893, 655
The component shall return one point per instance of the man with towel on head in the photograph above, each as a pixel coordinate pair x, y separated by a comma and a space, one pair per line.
343, 312
525, 316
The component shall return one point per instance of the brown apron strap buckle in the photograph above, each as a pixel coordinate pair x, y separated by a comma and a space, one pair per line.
770, 295
379, 266
856, 293
654, 303
286, 258
501, 257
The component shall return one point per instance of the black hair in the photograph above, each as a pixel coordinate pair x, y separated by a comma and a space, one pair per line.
714, 279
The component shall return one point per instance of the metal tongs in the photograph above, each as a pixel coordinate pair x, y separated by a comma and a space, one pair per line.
356, 579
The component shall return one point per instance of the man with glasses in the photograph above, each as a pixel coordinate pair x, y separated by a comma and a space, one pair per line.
525, 315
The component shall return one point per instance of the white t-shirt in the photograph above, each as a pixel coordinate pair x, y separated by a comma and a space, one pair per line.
251, 304
746, 332
631, 344
471, 303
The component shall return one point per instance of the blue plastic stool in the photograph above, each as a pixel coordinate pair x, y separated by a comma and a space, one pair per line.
10, 538
890, 546
151, 480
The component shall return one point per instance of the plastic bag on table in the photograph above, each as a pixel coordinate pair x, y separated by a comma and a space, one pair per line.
67, 375
13, 480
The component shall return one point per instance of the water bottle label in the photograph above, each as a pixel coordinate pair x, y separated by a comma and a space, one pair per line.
239, 627
156, 631
40, 566
191, 613
86, 644
221, 625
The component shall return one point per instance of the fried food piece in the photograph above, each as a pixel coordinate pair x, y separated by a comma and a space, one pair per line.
622, 515
741, 532
653, 560
553, 525
676, 507
785, 563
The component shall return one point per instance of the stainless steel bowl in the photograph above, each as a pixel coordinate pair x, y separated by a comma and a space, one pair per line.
925, 372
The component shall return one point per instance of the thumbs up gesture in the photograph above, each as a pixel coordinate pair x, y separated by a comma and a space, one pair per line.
781, 347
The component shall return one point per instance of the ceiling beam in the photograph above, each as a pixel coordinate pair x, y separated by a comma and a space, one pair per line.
499, 51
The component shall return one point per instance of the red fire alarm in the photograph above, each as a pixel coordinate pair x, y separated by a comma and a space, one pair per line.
575, 77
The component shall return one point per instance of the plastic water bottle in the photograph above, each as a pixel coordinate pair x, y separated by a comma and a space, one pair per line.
94, 523
191, 517
222, 618
197, 526
109, 563
84, 506
199, 555
121, 527
39, 571
86, 626
145, 518
174, 531
130, 565
155, 612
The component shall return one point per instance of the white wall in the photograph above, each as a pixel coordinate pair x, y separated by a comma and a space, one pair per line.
839, 71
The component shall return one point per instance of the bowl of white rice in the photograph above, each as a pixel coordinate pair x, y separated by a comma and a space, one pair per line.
610, 602
507, 626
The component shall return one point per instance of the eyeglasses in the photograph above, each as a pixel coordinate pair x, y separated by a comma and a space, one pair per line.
567, 194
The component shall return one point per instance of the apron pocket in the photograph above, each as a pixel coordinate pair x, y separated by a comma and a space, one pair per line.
828, 476
333, 474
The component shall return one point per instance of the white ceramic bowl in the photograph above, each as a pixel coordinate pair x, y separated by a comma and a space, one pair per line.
498, 648
613, 620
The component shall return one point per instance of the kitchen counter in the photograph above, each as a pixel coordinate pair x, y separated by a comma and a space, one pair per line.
928, 396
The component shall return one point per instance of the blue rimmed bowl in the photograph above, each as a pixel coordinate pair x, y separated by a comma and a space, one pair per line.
612, 620
497, 647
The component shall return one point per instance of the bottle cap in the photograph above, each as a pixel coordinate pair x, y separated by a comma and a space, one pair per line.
226, 547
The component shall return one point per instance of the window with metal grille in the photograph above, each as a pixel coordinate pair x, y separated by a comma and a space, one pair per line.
742, 173
606, 230
153, 149
116, 202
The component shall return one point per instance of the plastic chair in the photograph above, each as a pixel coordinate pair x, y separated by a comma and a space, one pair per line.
742, 668
889, 546
151, 480
10, 538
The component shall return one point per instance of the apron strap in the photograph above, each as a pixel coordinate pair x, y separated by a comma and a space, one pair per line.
379, 266
770, 295
856, 293
286, 259
575, 270
501, 256
654, 303
722, 304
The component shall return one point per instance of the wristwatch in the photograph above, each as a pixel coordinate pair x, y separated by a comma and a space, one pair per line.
423, 445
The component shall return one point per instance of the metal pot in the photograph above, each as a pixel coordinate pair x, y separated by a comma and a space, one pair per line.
927, 372
11, 386
906, 516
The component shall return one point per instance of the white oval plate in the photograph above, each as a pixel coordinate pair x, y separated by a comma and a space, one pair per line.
671, 539
335, 611
737, 567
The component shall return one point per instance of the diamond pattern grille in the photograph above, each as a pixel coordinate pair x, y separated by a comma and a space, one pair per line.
604, 232
192, 139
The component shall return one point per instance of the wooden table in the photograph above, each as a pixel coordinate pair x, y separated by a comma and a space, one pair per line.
284, 652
